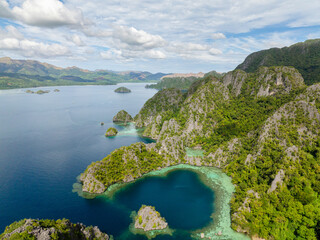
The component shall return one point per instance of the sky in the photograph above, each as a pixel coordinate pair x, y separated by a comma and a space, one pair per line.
170, 36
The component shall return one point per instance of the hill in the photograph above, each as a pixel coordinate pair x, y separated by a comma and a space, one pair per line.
261, 128
30, 73
304, 56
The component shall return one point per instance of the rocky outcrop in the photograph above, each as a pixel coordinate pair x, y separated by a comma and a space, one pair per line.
235, 80
163, 103
122, 117
149, 219
111, 132
89, 181
51, 229
278, 180
122, 90
266, 81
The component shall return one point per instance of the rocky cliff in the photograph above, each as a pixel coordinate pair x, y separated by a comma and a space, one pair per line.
122, 117
303, 56
261, 128
149, 219
51, 229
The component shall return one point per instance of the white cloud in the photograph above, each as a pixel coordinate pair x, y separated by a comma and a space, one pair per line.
4, 9
115, 54
218, 36
76, 39
111, 54
43, 13
214, 51
29, 48
10, 32
138, 39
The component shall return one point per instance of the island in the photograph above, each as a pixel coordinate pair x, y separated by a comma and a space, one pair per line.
122, 117
149, 219
37, 92
122, 90
111, 132
51, 229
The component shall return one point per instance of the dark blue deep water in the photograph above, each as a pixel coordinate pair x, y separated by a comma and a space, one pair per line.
47, 140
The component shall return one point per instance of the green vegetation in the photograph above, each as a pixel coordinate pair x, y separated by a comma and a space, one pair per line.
125, 163
262, 129
122, 90
111, 132
304, 56
182, 83
28, 73
31, 229
122, 117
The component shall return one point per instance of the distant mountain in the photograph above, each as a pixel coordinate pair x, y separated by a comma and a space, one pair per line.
181, 81
143, 76
185, 75
304, 56
30, 73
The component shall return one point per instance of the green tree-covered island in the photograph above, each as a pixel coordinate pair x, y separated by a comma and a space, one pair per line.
111, 132
122, 90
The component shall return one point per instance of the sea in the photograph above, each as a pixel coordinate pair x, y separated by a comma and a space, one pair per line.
48, 140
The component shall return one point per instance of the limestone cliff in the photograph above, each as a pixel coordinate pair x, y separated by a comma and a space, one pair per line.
149, 219
262, 129
122, 117
51, 229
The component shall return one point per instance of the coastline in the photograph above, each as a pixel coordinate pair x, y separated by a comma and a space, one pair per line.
216, 180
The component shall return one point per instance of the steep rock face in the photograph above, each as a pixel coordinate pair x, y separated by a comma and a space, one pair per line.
149, 219
235, 79
266, 81
122, 117
303, 56
51, 229
164, 102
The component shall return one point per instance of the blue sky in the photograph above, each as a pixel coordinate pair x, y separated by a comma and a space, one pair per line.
148, 35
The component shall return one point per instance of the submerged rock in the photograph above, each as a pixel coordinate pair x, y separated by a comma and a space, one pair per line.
111, 132
51, 229
122, 90
122, 117
149, 219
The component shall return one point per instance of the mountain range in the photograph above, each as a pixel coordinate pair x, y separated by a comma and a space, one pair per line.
30, 73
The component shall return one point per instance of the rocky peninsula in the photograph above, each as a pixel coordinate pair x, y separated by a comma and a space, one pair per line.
122, 90
111, 132
51, 229
149, 219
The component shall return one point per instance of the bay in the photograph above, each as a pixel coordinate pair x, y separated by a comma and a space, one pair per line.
47, 140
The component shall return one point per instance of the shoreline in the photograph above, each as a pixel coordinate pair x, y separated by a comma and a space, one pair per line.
216, 180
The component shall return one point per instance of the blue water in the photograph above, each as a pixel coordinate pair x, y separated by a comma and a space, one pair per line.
47, 140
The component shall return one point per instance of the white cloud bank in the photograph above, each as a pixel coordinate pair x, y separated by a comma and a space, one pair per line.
13, 40
42, 13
